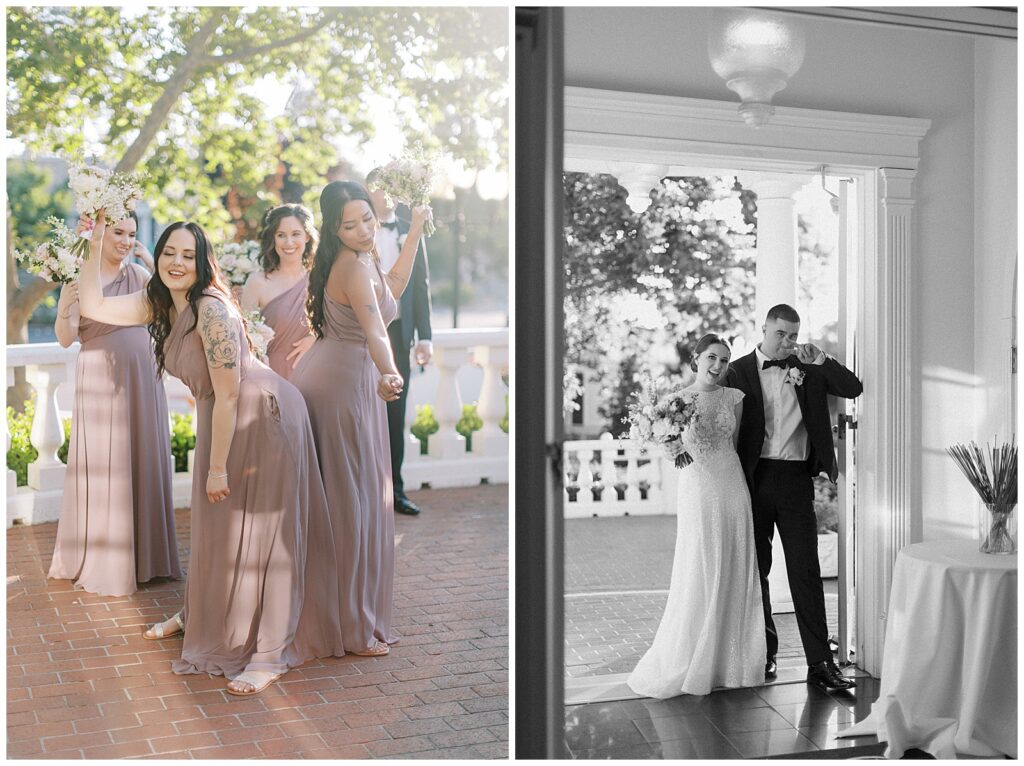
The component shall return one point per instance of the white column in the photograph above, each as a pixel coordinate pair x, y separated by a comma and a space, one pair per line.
638, 181
491, 441
778, 243
47, 472
12, 477
447, 442
888, 502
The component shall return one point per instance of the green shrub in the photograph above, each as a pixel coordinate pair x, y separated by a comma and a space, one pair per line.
425, 425
21, 451
468, 423
183, 439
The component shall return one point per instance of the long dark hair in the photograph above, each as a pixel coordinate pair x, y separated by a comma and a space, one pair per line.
207, 275
333, 199
269, 259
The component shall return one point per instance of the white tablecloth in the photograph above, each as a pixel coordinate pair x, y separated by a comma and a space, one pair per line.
949, 668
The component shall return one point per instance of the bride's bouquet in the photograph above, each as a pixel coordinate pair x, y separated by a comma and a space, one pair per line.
237, 260
54, 260
408, 180
96, 188
260, 333
658, 414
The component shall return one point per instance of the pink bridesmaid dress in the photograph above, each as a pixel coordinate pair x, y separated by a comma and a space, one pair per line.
338, 379
286, 316
258, 596
116, 526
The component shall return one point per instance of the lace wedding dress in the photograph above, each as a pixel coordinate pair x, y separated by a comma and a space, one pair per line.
712, 632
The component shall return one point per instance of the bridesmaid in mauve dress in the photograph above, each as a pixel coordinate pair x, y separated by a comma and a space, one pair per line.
287, 242
116, 526
346, 377
257, 601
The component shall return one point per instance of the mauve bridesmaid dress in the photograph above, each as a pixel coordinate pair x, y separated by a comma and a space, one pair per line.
338, 379
286, 316
259, 594
116, 525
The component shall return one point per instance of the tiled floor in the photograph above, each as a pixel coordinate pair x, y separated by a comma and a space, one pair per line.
81, 681
732, 723
616, 577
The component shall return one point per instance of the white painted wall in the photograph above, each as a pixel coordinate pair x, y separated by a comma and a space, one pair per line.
965, 190
995, 230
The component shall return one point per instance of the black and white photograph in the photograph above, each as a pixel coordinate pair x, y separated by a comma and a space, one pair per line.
766, 485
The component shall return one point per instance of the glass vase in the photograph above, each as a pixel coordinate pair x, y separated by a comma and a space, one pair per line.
997, 528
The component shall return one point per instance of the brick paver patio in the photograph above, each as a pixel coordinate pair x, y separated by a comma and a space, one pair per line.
617, 572
82, 682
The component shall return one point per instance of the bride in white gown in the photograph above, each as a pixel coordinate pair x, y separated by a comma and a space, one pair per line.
712, 632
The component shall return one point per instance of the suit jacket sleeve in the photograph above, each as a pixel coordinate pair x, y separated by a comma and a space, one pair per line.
420, 286
839, 381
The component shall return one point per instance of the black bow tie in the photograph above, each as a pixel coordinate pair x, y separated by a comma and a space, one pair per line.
776, 363
393, 225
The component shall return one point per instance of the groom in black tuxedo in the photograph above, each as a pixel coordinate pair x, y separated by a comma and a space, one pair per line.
412, 324
785, 440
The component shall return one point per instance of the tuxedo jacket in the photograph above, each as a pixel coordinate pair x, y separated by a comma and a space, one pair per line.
413, 322
830, 377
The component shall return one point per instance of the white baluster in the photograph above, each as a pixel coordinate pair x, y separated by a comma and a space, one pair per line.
12, 477
491, 441
585, 481
447, 442
609, 475
633, 496
47, 472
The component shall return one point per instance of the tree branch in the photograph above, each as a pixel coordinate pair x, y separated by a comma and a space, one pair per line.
245, 53
173, 88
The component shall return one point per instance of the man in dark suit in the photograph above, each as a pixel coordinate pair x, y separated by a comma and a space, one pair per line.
785, 439
412, 324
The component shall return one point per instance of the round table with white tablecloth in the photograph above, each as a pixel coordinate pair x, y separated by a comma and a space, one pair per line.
949, 666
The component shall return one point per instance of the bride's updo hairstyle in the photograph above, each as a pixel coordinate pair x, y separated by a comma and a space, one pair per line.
711, 339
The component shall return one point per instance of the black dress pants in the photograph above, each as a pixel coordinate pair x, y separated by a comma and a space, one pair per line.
783, 497
396, 409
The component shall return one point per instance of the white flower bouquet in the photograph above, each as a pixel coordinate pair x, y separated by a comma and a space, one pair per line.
408, 180
658, 414
237, 260
55, 260
260, 333
95, 188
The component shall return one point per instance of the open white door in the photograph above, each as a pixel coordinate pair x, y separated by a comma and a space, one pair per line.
846, 429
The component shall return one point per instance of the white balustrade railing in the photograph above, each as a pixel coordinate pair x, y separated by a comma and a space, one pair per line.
616, 477
467, 367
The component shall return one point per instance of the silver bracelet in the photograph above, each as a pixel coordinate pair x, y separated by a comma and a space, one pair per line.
211, 475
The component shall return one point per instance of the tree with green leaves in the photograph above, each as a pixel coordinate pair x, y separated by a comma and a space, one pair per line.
640, 290
174, 92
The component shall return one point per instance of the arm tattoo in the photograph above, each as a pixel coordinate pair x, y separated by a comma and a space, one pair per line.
219, 336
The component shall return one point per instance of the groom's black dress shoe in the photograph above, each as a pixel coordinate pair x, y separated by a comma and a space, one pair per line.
406, 506
770, 669
826, 676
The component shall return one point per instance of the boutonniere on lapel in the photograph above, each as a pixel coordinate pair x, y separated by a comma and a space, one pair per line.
794, 376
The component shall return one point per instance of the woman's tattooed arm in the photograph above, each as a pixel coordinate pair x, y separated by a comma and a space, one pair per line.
220, 336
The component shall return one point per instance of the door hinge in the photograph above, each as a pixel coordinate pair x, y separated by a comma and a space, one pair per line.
555, 453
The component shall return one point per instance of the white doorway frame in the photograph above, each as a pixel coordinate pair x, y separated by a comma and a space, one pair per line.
671, 134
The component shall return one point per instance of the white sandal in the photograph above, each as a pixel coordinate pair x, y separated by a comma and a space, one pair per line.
252, 678
156, 632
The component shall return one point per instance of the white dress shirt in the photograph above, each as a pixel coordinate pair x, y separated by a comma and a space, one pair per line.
387, 246
785, 435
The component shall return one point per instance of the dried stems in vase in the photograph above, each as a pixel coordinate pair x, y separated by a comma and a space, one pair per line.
995, 481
